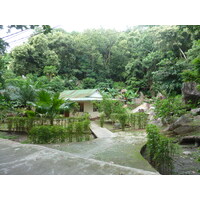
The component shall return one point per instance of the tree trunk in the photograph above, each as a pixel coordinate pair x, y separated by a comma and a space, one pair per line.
182, 53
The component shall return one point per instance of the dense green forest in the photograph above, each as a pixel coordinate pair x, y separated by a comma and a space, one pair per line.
141, 61
150, 59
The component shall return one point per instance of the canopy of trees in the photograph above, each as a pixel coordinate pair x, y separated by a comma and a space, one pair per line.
144, 58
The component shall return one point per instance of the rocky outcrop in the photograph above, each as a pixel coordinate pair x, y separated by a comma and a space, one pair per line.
139, 100
186, 124
195, 111
180, 122
142, 108
160, 96
190, 92
186, 129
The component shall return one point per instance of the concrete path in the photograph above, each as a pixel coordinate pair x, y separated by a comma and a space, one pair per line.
122, 149
28, 159
100, 132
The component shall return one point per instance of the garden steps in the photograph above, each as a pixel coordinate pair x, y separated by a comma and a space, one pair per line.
100, 132
29, 159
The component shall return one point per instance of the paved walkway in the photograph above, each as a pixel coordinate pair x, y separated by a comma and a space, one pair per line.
28, 159
123, 149
100, 132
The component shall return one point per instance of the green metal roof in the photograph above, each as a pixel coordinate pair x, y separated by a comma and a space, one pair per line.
77, 93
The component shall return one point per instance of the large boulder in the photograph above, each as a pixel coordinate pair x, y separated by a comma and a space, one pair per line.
195, 111
157, 122
184, 129
183, 120
142, 108
139, 100
186, 124
117, 125
160, 96
190, 92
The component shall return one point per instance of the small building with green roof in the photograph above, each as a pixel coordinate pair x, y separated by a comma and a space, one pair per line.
85, 99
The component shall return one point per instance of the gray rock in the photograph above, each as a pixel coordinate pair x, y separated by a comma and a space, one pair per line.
187, 152
160, 96
157, 122
117, 125
190, 92
196, 111
185, 124
183, 129
179, 122
142, 108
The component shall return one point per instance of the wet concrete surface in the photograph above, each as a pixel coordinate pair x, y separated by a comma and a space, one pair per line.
29, 159
122, 149
100, 132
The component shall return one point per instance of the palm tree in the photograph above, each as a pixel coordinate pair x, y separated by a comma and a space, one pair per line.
69, 106
26, 94
48, 104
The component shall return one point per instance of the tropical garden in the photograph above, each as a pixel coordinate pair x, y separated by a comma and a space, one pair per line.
120, 64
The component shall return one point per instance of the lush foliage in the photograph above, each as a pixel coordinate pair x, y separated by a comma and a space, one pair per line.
74, 131
48, 105
102, 119
22, 124
109, 106
144, 58
47, 134
123, 118
160, 150
132, 120
169, 108
193, 73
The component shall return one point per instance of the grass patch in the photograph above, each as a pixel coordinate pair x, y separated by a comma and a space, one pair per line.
26, 142
6, 136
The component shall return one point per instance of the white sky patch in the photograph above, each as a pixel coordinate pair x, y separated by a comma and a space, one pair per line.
14, 37
79, 15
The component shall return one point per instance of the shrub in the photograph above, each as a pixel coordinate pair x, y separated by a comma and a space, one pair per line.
86, 116
20, 124
30, 113
123, 118
89, 83
160, 149
109, 106
78, 130
47, 134
138, 120
152, 140
24, 124
70, 131
168, 109
102, 119
142, 119
113, 117
106, 106
164, 155
132, 120
86, 129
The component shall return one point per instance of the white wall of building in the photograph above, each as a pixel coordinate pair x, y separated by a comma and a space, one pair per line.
88, 107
